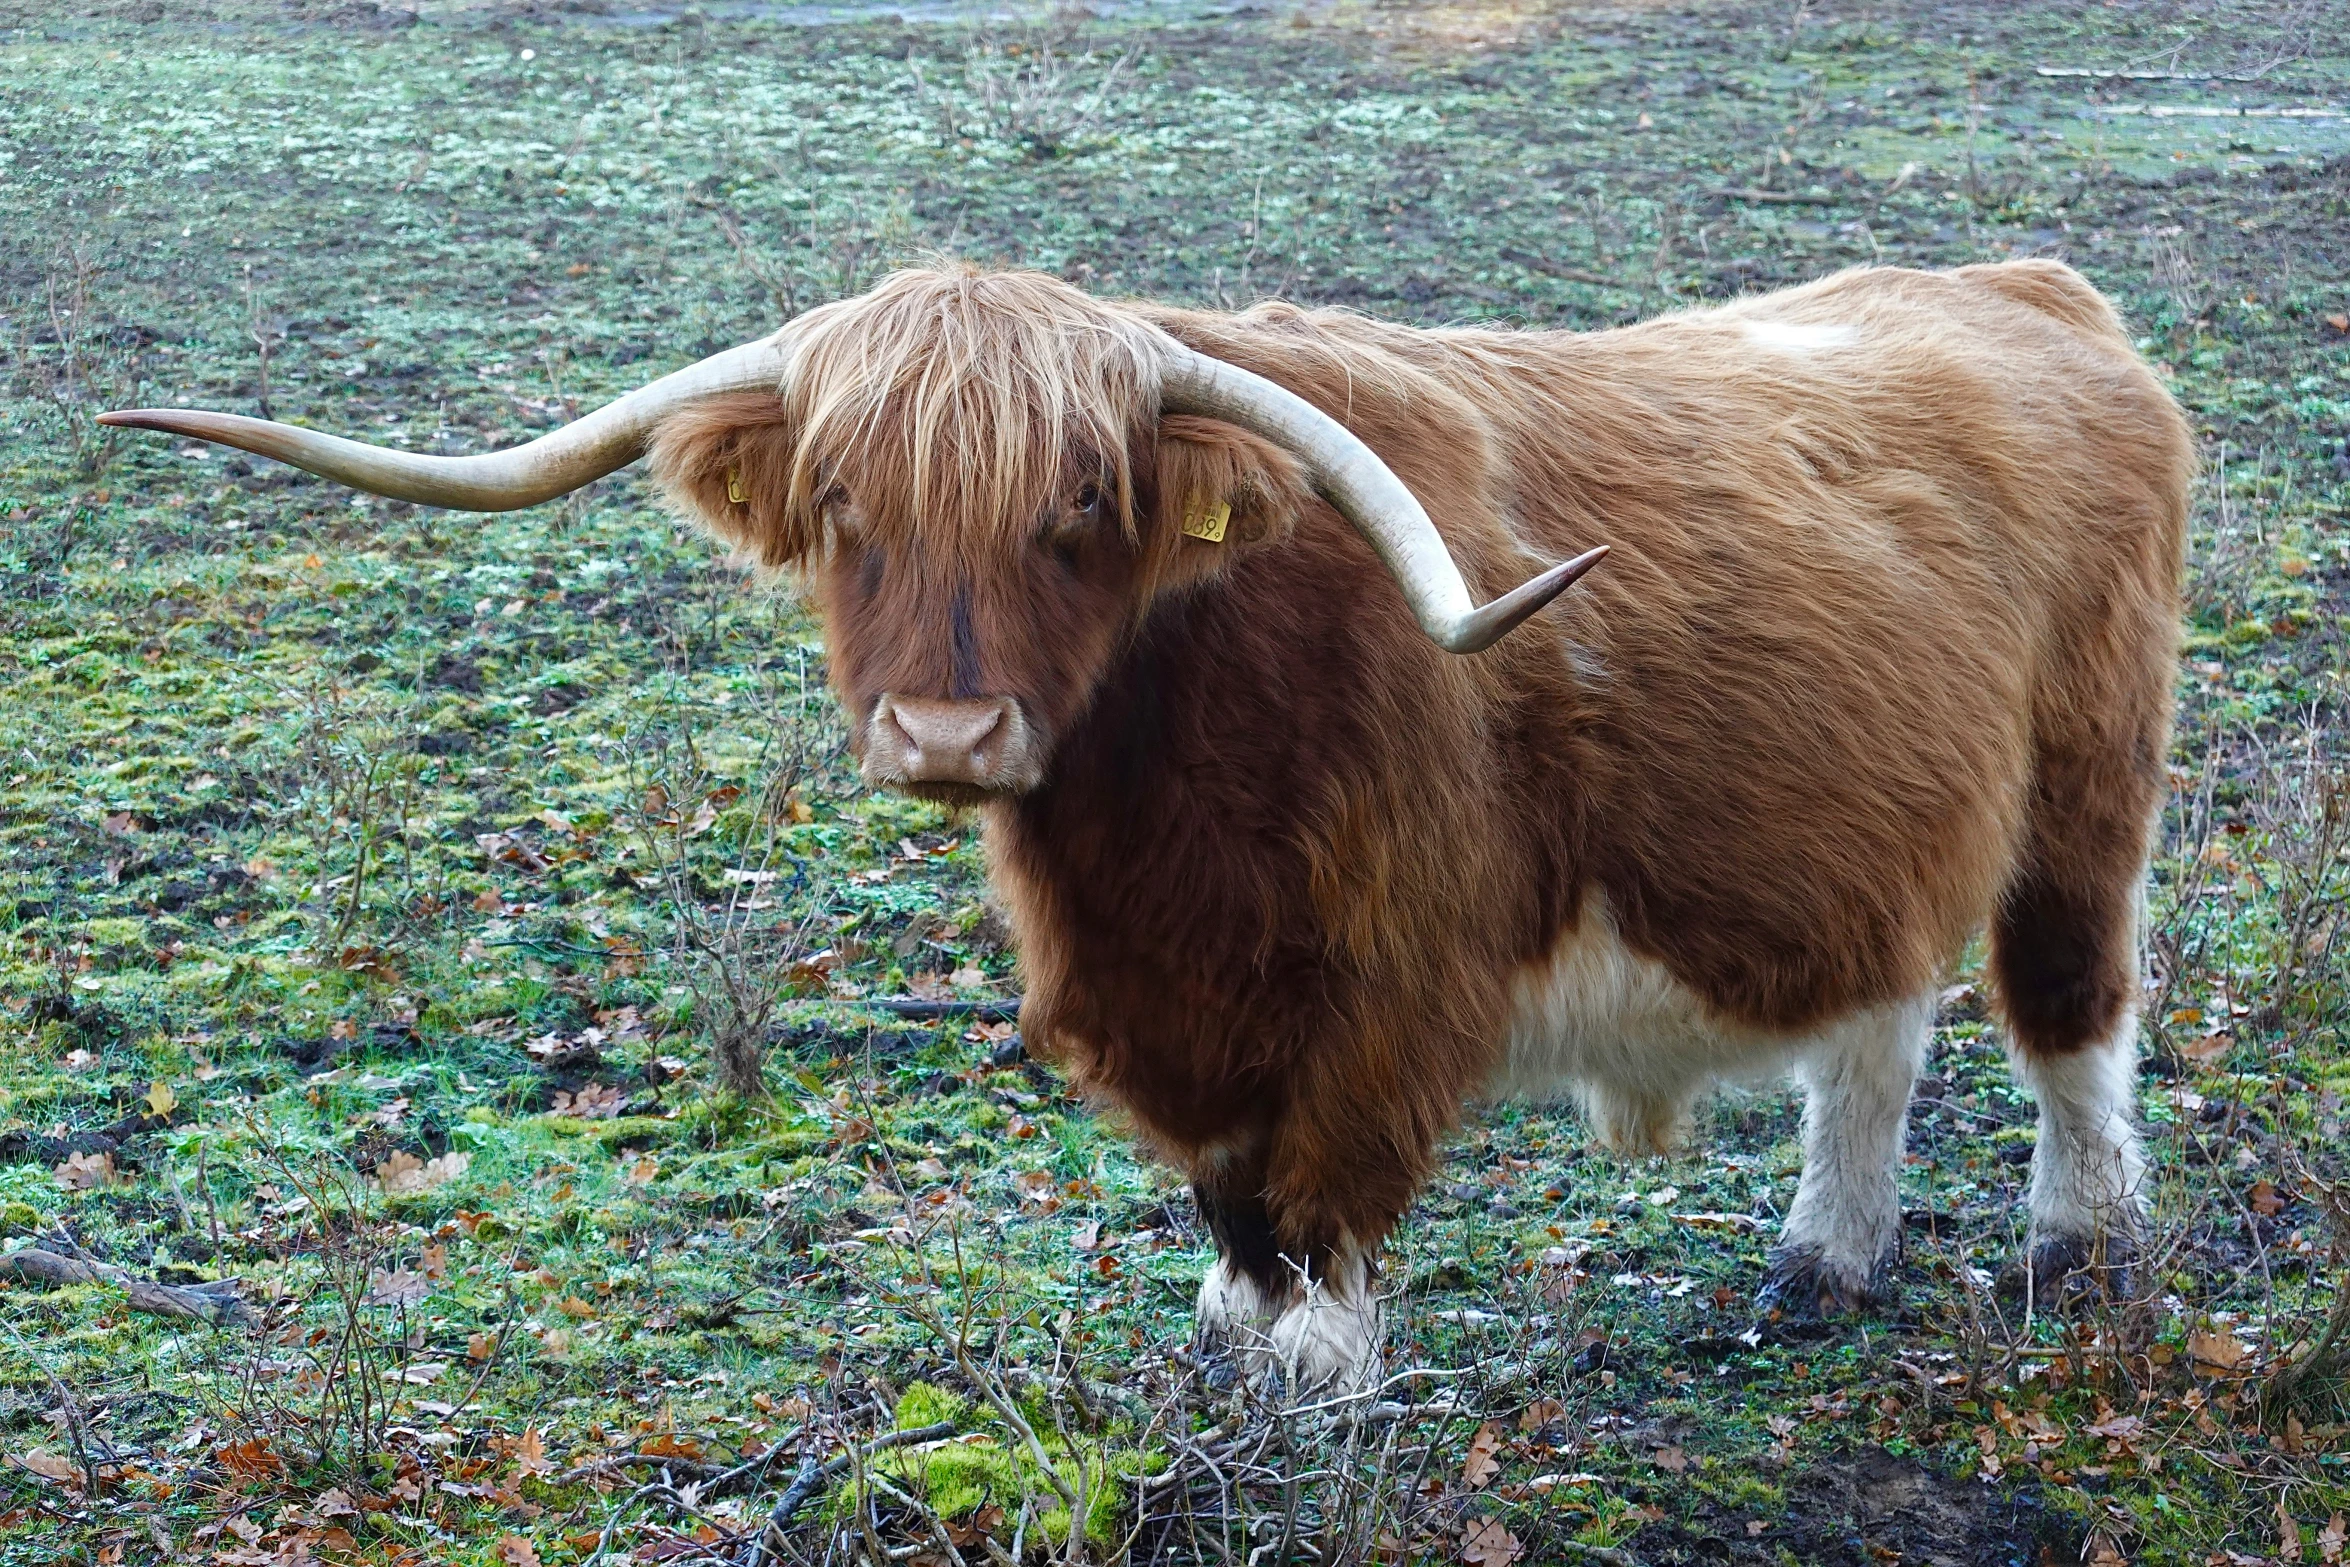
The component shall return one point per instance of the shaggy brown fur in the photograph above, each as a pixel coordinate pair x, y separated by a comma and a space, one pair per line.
1883, 656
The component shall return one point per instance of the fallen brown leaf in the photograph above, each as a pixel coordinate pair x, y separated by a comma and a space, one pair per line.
968, 1532
1540, 1413
593, 1102
2206, 1048
396, 1287
1484, 1460
49, 1466
250, 1462
2220, 1351
529, 1453
85, 1172
1486, 1542
404, 1174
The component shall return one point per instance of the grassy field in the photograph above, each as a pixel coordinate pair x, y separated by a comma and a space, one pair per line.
380, 885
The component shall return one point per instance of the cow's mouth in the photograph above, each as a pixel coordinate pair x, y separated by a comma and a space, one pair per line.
961, 796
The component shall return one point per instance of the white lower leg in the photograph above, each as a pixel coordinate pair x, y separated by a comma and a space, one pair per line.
1330, 1340
1232, 1310
1845, 1224
2087, 1171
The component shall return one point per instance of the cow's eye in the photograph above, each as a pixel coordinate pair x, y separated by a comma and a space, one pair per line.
1066, 534
839, 513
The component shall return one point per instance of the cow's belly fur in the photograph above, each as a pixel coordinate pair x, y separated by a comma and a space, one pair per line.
1631, 1044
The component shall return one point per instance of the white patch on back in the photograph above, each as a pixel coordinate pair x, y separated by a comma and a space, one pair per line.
1800, 337
1631, 1043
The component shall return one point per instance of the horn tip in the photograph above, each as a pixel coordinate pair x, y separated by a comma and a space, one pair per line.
1486, 626
169, 420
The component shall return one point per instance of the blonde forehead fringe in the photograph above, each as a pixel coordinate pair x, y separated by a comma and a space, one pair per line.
975, 397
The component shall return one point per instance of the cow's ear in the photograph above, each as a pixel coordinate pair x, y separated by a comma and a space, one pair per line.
1216, 492
727, 463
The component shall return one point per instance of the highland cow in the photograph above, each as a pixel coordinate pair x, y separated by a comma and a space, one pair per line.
1305, 852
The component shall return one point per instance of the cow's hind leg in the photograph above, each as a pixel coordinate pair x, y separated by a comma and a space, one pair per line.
1844, 1230
2087, 1171
2064, 947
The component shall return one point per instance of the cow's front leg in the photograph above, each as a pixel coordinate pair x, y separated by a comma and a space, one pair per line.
1329, 1338
1844, 1230
1242, 1293
1305, 1313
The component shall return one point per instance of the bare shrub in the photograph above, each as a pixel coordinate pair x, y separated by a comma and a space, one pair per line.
840, 247
311, 1394
1173, 1457
2229, 547
1034, 94
78, 359
2301, 813
2176, 274
740, 917
358, 801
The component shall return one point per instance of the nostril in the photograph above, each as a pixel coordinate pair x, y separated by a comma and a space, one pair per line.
891, 731
990, 730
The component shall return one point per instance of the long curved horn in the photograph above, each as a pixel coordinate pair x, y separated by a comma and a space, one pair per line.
557, 463
1369, 495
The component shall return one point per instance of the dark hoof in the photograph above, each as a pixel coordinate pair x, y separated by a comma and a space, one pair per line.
1212, 1359
2070, 1270
1801, 1283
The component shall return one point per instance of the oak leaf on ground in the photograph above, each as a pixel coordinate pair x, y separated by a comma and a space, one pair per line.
1486, 1542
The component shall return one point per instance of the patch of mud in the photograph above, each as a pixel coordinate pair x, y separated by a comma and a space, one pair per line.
1869, 1509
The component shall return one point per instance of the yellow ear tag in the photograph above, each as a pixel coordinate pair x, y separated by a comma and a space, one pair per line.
1204, 519
734, 487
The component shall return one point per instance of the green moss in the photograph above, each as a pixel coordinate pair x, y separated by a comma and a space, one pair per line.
959, 1477
925, 1405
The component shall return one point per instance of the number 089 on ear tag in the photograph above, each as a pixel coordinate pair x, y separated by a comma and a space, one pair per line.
1206, 519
